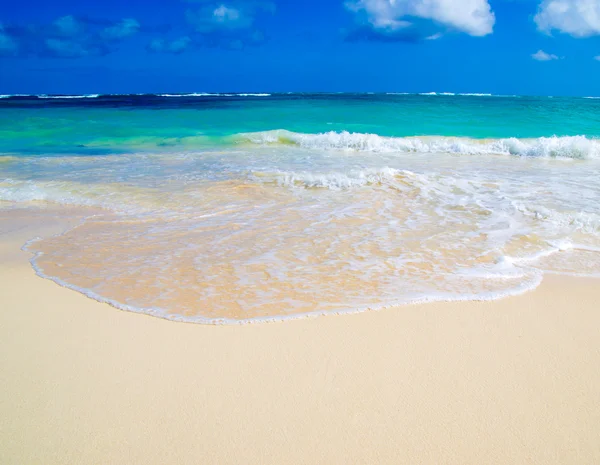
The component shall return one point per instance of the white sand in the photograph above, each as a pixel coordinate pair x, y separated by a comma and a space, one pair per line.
515, 381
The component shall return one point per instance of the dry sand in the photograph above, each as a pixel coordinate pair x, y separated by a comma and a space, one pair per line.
515, 381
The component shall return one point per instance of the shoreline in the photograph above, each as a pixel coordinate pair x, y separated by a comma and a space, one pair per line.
509, 381
77, 217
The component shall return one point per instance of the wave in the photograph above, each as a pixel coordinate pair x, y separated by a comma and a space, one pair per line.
206, 94
111, 196
465, 94
85, 96
57, 192
452, 94
576, 147
194, 94
44, 96
255, 94
347, 180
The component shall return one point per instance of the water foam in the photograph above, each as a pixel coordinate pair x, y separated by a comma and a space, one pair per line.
206, 94
158, 312
576, 147
450, 94
344, 180
114, 197
303, 237
91, 96
44, 96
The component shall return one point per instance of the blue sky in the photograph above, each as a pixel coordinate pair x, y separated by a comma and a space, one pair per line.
544, 47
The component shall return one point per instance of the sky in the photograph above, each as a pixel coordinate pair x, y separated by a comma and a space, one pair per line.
525, 47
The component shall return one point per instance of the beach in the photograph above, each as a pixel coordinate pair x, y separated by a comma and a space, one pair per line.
250, 232
510, 381
239, 208
299, 278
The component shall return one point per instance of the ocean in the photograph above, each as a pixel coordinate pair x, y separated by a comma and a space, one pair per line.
233, 208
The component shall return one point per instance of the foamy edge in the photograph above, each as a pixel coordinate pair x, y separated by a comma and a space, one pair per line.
574, 147
537, 277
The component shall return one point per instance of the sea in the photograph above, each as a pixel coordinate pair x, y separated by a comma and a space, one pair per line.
249, 207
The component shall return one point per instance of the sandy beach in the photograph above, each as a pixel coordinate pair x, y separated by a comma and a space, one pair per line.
514, 381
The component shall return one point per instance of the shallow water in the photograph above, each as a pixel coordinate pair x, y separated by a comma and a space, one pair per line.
224, 224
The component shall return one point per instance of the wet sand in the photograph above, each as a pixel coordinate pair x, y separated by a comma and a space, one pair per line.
514, 381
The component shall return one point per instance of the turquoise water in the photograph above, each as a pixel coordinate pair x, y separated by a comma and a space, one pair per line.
234, 208
125, 123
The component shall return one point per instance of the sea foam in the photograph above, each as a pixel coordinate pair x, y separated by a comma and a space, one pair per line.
44, 96
206, 94
577, 147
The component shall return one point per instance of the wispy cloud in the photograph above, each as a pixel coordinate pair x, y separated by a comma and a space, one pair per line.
436, 36
170, 46
368, 33
68, 26
65, 48
212, 17
540, 55
67, 37
124, 28
231, 25
8, 44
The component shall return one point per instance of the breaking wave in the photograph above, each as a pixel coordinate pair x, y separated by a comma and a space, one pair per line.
575, 147
205, 94
95, 96
44, 96
452, 94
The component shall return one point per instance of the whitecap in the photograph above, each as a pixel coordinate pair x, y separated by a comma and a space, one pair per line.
574, 147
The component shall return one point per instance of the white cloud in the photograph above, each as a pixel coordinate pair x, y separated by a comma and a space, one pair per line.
223, 14
231, 15
597, 58
540, 55
473, 17
579, 18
